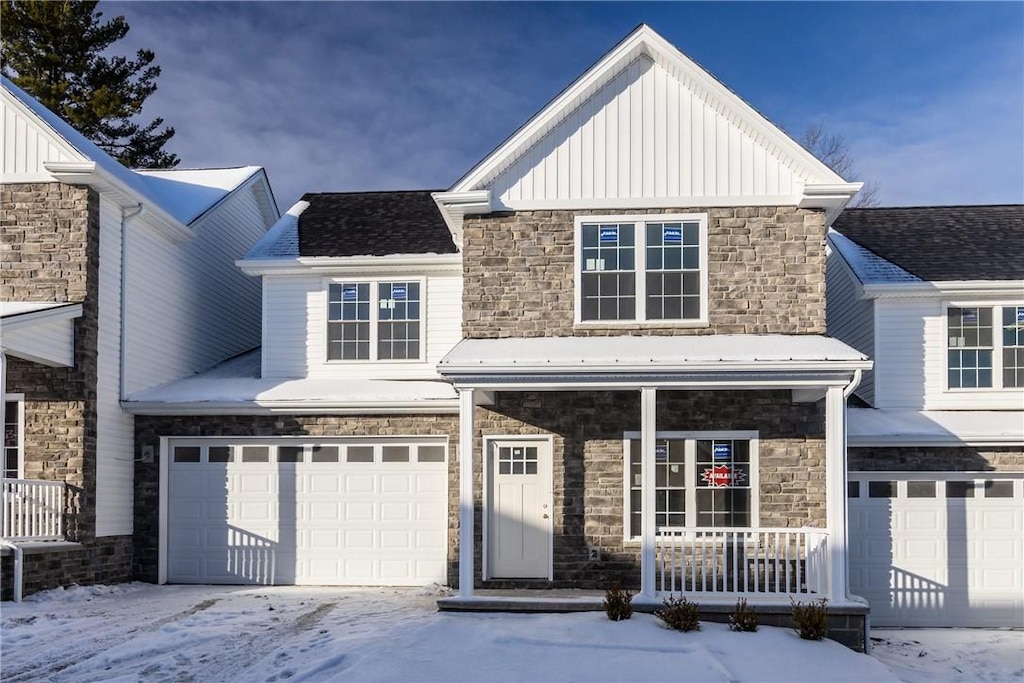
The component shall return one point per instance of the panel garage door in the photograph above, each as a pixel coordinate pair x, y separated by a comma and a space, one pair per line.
938, 549
324, 513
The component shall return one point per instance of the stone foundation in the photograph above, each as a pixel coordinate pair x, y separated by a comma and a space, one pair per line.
944, 459
103, 560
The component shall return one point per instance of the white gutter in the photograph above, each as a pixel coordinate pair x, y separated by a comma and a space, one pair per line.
125, 217
582, 368
298, 407
349, 264
993, 288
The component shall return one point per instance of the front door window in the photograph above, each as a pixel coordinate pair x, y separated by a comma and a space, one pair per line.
13, 438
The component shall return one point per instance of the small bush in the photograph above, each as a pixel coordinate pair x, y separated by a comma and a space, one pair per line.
618, 603
743, 618
810, 621
680, 614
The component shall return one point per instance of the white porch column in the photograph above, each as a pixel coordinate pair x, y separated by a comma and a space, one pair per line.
648, 429
467, 406
835, 492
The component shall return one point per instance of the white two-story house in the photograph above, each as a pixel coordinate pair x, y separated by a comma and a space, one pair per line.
935, 295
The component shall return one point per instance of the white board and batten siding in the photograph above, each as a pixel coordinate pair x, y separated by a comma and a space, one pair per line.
646, 133
28, 143
188, 305
849, 318
910, 361
295, 327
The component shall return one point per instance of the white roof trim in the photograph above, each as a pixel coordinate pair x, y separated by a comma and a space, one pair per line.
23, 314
790, 360
873, 427
964, 288
644, 40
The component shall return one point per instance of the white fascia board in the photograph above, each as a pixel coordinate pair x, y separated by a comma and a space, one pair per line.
92, 174
292, 407
580, 203
455, 205
931, 441
420, 263
962, 288
46, 315
759, 367
495, 384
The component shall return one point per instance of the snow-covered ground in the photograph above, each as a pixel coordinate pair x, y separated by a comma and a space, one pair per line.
204, 633
926, 655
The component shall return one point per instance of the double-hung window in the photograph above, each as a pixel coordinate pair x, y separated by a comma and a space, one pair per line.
985, 347
642, 269
375, 320
702, 480
14, 437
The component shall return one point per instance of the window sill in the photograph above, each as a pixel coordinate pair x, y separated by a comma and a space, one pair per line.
633, 325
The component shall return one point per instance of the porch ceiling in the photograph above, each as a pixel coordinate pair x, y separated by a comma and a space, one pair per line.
39, 332
739, 361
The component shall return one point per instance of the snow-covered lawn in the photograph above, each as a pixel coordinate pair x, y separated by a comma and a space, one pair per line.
204, 633
926, 655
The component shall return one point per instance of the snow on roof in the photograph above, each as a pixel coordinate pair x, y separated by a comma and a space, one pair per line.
870, 426
282, 240
869, 267
188, 193
236, 383
617, 354
12, 308
185, 194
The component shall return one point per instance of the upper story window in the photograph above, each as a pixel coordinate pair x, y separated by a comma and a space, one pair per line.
985, 347
650, 268
374, 320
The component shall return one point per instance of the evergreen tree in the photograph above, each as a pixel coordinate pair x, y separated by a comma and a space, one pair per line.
53, 51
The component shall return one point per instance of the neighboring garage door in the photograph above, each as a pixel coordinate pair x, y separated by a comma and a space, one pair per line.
368, 512
938, 549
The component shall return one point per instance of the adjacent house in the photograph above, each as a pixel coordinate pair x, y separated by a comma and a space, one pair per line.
935, 295
599, 356
111, 281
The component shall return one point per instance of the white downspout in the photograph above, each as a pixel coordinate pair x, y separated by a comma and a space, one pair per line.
126, 215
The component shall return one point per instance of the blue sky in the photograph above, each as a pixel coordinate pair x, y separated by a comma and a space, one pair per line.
358, 96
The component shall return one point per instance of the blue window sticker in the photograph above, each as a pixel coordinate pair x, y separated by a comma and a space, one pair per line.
1020, 314
672, 235
661, 452
350, 293
722, 451
610, 234
398, 292
969, 318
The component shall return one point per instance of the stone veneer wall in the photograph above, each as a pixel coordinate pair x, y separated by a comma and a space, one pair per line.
587, 430
49, 252
148, 431
925, 459
102, 560
766, 273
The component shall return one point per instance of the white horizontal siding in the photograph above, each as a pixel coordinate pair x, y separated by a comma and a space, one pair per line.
295, 328
644, 135
28, 144
848, 318
114, 427
188, 305
901, 331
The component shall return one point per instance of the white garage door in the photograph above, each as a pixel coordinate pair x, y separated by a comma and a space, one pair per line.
323, 513
938, 549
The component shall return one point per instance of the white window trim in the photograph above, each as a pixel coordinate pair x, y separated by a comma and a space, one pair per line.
640, 269
691, 483
997, 348
374, 319
20, 400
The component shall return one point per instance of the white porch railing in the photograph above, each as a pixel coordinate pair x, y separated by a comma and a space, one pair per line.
32, 510
741, 561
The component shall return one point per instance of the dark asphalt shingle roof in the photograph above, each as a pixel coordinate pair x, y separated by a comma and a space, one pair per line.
372, 224
939, 243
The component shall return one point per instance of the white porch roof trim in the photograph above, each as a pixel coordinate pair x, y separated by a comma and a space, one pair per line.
235, 388
41, 332
874, 427
754, 360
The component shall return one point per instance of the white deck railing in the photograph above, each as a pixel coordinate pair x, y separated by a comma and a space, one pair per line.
741, 561
32, 510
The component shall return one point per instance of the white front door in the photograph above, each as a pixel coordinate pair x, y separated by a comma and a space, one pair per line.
519, 509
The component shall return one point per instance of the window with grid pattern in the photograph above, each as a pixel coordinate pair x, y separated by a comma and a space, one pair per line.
12, 439
970, 347
377, 320
1013, 346
640, 269
348, 321
398, 326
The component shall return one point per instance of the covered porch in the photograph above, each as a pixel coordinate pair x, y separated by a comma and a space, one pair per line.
31, 510
708, 466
